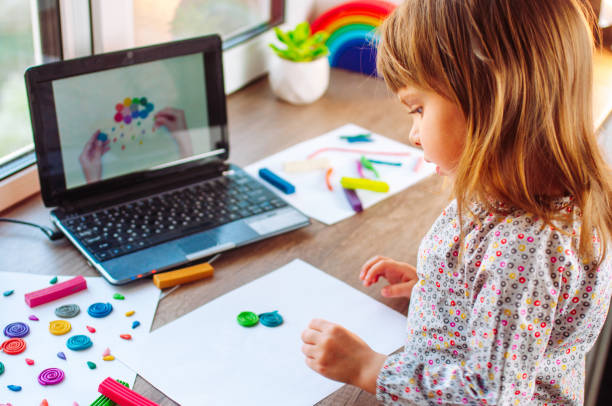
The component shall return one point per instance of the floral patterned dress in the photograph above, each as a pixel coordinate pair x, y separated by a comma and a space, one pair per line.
507, 322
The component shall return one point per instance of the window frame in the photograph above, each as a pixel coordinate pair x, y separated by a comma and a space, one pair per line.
18, 176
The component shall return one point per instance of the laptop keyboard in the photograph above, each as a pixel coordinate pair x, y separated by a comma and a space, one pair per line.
153, 220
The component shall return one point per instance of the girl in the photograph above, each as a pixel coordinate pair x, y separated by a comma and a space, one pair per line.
512, 283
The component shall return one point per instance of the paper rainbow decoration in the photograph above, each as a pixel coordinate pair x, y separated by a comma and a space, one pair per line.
352, 33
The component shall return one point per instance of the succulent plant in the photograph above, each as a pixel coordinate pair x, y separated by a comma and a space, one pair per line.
302, 45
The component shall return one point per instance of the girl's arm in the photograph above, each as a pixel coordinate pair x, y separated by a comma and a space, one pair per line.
494, 360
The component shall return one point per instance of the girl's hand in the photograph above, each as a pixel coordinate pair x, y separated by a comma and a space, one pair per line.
338, 354
401, 276
91, 157
174, 120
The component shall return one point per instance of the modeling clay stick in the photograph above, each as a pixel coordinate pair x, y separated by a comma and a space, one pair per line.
357, 151
183, 275
376, 161
104, 401
306, 165
367, 184
122, 395
276, 181
360, 170
328, 179
346, 137
357, 138
368, 165
353, 200
56, 291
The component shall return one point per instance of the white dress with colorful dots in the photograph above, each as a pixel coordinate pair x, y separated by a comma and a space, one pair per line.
508, 325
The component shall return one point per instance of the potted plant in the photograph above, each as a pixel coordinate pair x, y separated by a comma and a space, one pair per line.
301, 73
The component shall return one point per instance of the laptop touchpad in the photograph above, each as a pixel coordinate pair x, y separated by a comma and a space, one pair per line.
196, 243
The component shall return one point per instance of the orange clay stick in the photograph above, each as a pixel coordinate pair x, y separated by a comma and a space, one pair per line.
328, 178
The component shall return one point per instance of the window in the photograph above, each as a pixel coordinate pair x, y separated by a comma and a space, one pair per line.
119, 24
40, 31
22, 26
146, 22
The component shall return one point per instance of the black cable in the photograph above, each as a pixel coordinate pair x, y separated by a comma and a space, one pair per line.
49, 232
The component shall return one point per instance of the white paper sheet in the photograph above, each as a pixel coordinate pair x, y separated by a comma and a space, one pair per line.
207, 358
80, 383
312, 196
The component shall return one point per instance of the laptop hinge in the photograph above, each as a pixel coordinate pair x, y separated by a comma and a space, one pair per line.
142, 189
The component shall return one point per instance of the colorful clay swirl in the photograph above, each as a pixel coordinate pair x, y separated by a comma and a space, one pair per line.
67, 311
247, 319
16, 330
51, 376
59, 327
13, 346
99, 310
1, 368
78, 343
271, 319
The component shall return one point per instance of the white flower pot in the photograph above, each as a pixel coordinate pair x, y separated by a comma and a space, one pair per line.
299, 82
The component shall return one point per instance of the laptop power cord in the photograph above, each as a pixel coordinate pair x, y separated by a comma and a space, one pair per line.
49, 232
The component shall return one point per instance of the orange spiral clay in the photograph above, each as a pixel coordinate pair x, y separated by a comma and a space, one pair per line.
13, 346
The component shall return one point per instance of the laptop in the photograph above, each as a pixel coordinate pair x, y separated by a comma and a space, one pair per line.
132, 149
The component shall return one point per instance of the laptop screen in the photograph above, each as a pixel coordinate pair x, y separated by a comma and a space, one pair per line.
127, 113
133, 118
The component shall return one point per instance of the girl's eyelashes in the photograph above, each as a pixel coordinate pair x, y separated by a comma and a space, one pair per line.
416, 110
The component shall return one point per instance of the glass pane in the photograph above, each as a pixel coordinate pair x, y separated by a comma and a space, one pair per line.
16, 54
158, 21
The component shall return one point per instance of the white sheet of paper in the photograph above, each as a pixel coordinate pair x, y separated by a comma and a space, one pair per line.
311, 195
207, 358
80, 383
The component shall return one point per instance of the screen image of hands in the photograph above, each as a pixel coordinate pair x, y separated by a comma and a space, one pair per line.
91, 156
174, 120
98, 144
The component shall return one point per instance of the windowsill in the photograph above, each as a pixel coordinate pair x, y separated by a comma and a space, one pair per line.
18, 187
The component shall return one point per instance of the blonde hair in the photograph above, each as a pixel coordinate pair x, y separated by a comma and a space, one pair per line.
521, 72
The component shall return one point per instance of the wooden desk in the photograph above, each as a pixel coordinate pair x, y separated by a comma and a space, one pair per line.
260, 125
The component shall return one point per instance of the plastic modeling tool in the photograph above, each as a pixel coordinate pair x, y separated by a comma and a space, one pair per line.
366, 184
276, 181
184, 275
56, 291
